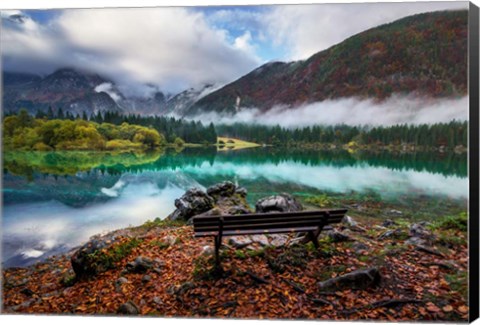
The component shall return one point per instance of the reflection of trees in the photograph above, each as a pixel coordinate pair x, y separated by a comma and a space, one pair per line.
26, 163
114, 163
445, 164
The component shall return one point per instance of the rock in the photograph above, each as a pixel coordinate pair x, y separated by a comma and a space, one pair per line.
419, 230
140, 265
349, 221
241, 191
128, 308
278, 203
158, 262
158, 300
207, 250
157, 270
239, 241
222, 198
360, 279
338, 237
170, 240
86, 262
27, 292
415, 241
396, 212
221, 189
260, 239
192, 203
396, 233
278, 240
146, 278
359, 248
119, 282
180, 289
389, 223
237, 209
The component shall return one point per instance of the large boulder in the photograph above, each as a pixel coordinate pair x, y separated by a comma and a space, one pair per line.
278, 203
193, 202
221, 189
221, 198
360, 279
87, 261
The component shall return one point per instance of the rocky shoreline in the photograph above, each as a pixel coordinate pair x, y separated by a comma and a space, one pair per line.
365, 269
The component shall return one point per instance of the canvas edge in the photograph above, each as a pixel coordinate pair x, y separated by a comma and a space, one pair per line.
473, 82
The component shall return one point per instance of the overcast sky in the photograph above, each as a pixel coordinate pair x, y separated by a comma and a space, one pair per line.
177, 48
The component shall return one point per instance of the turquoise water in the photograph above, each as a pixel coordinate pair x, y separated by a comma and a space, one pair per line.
53, 202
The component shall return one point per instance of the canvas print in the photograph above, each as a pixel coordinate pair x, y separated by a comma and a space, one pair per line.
248, 162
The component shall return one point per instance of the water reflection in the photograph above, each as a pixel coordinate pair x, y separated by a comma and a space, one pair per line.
54, 201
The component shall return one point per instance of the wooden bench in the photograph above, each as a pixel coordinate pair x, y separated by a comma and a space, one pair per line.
310, 222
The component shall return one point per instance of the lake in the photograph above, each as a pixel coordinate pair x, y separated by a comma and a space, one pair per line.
54, 201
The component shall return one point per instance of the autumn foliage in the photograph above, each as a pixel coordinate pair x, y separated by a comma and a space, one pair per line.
267, 282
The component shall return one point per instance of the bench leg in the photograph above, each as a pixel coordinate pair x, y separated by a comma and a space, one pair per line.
313, 238
218, 243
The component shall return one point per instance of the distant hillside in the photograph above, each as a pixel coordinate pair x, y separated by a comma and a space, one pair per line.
424, 54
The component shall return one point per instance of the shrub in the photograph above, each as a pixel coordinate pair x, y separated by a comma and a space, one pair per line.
179, 142
122, 144
40, 146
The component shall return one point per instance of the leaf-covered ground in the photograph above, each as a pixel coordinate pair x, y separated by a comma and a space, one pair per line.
268, 282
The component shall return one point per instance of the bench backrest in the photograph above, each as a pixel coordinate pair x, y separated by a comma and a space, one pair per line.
265, 222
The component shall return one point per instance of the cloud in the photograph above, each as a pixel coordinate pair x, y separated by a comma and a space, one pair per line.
353, 111
307, 29
173, 48
108, 88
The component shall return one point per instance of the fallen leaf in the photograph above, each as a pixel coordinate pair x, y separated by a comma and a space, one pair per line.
447, 308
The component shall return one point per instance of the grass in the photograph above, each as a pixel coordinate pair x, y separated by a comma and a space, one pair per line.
458, 222
225, 143
160, 244
108, 258
321, 201
162, 223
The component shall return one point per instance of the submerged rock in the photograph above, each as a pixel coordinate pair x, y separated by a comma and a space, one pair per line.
360, 279
278, 203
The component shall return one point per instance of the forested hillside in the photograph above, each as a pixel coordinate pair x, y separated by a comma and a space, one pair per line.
424, 54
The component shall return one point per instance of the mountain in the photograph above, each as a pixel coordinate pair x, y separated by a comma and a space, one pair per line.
154, 105
424, 55
76, 91
66, 88
181, 103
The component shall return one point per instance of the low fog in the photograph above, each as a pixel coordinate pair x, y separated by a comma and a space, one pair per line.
352, 111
